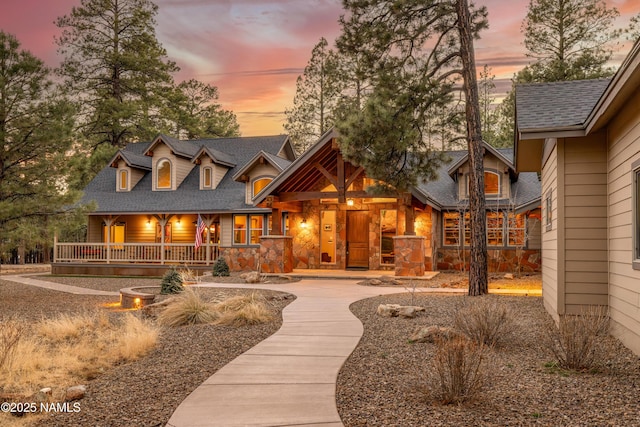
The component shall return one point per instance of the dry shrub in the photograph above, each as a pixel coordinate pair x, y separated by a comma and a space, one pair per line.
485, 320
457, 372
244, 310
188, 308
10, 334
67, 350
580, 342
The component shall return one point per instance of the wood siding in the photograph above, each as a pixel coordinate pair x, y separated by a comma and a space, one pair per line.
585, 221
550, 242
624, 281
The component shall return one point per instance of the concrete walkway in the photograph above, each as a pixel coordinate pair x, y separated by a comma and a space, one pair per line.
289, 379
76, 290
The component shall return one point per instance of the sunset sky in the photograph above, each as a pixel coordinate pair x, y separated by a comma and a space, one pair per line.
253, 50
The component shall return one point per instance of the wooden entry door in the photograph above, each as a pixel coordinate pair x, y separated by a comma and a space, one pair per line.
357, 239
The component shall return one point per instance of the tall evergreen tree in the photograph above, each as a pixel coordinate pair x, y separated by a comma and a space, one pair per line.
418, 53
35, 134
198, 115
488, 110
317, 93
567, 40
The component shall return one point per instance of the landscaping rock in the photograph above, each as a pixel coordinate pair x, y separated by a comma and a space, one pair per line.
395, 310
152, 310
75, 393
430, 334
375, 282
508, 276
251, 277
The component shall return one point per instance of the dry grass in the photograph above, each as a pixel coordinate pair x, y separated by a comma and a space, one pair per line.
457, 373
188, 308
10, 334
69, 350
244, 310
485, 320
580, 342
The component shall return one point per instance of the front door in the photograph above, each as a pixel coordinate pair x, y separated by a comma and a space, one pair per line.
357, 239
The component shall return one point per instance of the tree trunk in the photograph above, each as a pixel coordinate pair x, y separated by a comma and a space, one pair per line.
478, 280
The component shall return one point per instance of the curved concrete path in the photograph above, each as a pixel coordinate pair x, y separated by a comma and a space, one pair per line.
289, 379
76, 290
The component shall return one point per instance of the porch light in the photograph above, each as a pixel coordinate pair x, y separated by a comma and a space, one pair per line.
149, 223
349, 202
303, 223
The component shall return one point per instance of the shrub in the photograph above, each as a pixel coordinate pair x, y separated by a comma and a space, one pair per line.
485, 320
244, 310
220, 267
188, 309
171, 282
457, 373
10, 333
579, 342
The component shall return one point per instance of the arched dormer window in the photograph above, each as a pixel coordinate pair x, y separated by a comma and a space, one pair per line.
259, 184
123, 180
207, 177
163, 174
491, 183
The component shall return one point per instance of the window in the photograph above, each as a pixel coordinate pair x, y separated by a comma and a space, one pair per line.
247, 229
451, 228
494, 228
116, 235
491, 184
548, 213
516, 226
259, 184
636, 214
207, 177
388, 229
328, 237
123, 178
163, 174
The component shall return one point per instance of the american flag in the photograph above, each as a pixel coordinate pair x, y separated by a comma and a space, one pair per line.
199, 229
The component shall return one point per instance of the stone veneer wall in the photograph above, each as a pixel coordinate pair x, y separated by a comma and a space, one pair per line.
409, 255
499, 260
241, 258
276, 254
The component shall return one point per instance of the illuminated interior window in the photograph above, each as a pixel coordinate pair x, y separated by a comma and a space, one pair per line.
124, 179
491, 183
207, 175
257, 225
240, 229
328, 237
164, 174
259, 184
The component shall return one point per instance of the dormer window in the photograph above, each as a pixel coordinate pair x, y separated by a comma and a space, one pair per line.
207, 177
259, 185
491, 184
123, 180
163, 174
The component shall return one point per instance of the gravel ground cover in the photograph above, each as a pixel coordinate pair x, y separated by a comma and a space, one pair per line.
147, 391
384, 381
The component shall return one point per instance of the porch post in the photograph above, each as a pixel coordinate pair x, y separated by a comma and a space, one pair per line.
108, 222
276, 222
409, 215
55, 247
163, 222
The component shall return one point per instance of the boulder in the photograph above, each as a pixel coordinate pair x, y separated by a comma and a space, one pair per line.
251, 277
75, 393
508, 276
395, 310
409, 311
375, 282
431, 334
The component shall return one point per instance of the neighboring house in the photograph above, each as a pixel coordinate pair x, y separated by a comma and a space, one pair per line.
584, 139
263, 210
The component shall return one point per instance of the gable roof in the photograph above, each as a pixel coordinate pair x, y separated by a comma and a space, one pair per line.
188, 198
131, 159
217, 156
277, 162
559, 105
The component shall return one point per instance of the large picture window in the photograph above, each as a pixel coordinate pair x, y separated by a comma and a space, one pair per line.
247, 229
503, 228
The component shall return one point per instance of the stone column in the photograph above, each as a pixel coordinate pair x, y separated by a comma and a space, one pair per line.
409, 255
276, 254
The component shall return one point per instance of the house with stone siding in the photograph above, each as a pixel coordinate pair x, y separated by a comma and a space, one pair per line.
265, 209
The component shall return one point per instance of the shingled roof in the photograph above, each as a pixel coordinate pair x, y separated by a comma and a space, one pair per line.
558, 105
188, 198
443, 192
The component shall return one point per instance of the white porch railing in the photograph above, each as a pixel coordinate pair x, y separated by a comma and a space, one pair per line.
146, 253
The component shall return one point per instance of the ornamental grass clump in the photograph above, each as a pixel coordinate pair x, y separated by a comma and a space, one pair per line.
11, 332
485, 320
188, 308
457, 371
171, 282
580, 342
244, 310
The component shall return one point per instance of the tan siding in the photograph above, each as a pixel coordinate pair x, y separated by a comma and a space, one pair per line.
534, 233
624, 281
218, 173
550, 237
136, 176
137, 230
94, 229
226, 230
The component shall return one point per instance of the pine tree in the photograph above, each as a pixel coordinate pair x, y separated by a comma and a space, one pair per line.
35, 134
317, 93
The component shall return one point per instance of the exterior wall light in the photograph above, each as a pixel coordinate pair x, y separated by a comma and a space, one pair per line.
303, 223
349, 202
